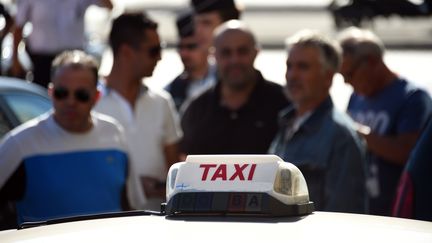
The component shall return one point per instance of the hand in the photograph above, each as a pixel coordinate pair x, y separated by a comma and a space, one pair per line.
153, 188
363, 130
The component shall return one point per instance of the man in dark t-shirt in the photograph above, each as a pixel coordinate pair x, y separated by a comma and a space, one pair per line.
238, 115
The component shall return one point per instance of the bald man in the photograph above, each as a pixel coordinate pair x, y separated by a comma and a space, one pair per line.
239, 114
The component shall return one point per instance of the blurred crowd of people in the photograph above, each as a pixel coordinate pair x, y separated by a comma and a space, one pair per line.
108, 142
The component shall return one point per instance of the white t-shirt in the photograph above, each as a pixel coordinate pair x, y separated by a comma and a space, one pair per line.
153, 124
57, 24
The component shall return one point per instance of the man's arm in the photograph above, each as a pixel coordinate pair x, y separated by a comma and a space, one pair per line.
12, 170
173, 134
346, 176
16, 67
395, 149
411, 119
154, 188
136, 198
14, 187
171, 154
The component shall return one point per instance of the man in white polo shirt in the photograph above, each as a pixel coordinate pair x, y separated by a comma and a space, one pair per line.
148, 116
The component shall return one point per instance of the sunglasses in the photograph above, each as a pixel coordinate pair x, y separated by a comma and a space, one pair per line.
190, 46
80, 95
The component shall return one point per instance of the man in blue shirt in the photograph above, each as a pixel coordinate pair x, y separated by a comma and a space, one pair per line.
390, 113
316, 137
70, 161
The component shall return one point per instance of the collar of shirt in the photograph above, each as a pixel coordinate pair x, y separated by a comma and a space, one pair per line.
308, 122
252, 98
127, 108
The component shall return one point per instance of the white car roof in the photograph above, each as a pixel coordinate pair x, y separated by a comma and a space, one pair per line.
317, 227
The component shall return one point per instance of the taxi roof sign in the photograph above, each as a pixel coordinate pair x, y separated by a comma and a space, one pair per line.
236, 184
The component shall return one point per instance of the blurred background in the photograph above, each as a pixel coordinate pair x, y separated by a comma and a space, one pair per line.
405, 26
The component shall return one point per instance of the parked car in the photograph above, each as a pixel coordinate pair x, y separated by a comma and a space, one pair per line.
224, 198
20, 101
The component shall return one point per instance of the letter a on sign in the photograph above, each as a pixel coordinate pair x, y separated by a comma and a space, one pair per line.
206, 170
254, 202
220, 173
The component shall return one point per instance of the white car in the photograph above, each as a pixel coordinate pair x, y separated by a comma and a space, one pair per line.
218, 199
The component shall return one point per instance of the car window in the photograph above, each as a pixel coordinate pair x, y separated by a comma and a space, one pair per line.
27, 106
5, 126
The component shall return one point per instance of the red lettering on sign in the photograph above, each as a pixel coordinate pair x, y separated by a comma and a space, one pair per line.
206, 170
251, 172
220, 173
238, 172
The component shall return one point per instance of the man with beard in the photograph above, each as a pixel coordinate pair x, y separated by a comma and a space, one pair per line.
239, 114
148, 116
197, 74
314, 136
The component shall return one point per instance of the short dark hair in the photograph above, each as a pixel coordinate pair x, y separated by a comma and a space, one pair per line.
129, 29
227, 9
185, 25
229, 14
75, 59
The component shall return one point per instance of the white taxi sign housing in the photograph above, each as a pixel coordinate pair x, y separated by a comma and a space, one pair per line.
236, 184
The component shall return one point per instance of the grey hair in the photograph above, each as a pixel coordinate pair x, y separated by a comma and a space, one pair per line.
76, 59
361, 43
331, 53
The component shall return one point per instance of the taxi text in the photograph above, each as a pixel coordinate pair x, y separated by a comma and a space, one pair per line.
219, 171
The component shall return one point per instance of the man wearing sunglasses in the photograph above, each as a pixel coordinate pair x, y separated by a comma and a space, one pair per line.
70, 161
198, 75
148, 116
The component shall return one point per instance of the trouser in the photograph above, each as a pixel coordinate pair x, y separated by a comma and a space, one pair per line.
41, 67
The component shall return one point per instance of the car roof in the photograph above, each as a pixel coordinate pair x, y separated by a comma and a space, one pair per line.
11, 84
316, 227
